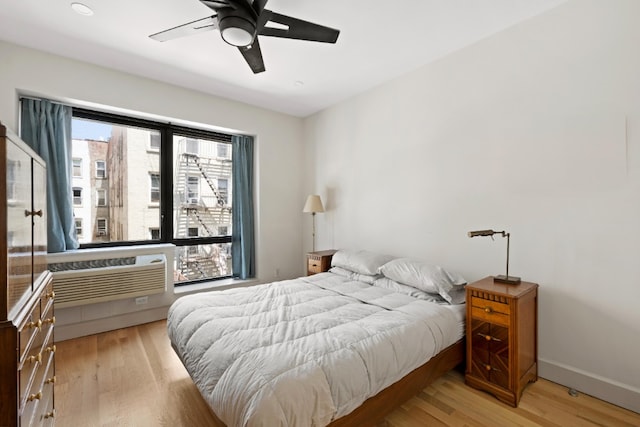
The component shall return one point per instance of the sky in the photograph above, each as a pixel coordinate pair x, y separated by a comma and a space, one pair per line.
87, 129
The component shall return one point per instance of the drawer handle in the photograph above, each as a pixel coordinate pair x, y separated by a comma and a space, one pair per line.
37, 358
491, 368
489, 337
51, 320
51, 349
37, 324
488, 310
51, 414
51, 295
33, 213
38, 396
51, 380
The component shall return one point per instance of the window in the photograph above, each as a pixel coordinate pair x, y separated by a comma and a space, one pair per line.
154, 141
193, 189
154, 233
192, 146
78, 223
77, 196
77, 167
155, 187
101, 197
101, 225
101, 169
223, 189
164, 185
223, 150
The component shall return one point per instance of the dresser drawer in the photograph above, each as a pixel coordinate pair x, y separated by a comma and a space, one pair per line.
28, 332
490, 311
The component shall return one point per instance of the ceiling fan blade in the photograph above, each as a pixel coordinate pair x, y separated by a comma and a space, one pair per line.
258, 5
199, 26
299, 29
216, 4
253, 55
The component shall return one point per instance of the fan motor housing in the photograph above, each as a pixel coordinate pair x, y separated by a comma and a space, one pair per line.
236, 28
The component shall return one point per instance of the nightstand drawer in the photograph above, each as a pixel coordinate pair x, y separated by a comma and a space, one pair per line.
490, 311
319, 261
314, 266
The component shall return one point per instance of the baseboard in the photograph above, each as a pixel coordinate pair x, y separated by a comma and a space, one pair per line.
619, 394
90, 327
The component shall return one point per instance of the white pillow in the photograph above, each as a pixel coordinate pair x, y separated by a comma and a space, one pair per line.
423, 276
363, 262
385, 282
366, 278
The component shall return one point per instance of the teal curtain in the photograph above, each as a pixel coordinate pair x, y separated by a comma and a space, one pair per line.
243, 245
46, 127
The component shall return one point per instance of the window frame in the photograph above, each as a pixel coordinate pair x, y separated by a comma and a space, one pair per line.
166, 202
153, 189
73, 167
103, 169
79, 198
79, 225
104, 199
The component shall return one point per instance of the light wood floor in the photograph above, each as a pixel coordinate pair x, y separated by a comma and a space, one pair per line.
131, 377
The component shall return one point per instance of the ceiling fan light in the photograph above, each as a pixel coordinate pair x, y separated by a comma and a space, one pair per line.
237, 31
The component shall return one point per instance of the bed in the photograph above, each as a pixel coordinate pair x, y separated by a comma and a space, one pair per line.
339, 348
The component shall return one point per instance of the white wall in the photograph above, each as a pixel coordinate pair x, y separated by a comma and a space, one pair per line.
278, 155
534, 130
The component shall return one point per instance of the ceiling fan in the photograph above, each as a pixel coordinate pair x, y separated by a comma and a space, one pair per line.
241, 22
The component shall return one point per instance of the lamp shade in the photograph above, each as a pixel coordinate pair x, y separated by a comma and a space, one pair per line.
313, 204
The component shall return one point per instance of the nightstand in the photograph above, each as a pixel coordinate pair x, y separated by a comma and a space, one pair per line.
319, 261
502, 338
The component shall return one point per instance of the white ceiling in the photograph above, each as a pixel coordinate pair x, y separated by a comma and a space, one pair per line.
379, 40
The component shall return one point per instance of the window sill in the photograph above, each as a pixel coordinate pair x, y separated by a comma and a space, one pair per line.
215, 285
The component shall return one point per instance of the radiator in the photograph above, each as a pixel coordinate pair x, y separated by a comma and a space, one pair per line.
99, 280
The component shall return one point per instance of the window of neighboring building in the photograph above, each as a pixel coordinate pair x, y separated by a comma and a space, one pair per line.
101, 169
77, 196
222, 231
101, 197
154, 141
77, 167
101, 225
223, 150
223, 188
160, 192
154, 233
192, 146
154, 195
193, 189
78, 223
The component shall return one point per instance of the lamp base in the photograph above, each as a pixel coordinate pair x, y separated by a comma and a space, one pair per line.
510, 280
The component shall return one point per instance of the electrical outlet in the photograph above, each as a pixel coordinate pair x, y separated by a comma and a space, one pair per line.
142, 300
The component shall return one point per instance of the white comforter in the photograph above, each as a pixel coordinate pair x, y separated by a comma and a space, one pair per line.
303, 352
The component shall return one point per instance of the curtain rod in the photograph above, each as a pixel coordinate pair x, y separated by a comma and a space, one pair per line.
140, 116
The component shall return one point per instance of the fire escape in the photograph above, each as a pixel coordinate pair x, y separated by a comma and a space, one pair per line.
202, 207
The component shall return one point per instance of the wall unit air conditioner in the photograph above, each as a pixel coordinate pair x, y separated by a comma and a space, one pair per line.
192, 200
109, 279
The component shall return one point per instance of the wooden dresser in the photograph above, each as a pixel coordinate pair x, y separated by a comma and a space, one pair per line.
502, 344
27, 349
319, 261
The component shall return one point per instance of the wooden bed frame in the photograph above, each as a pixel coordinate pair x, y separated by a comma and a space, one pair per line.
377, 407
